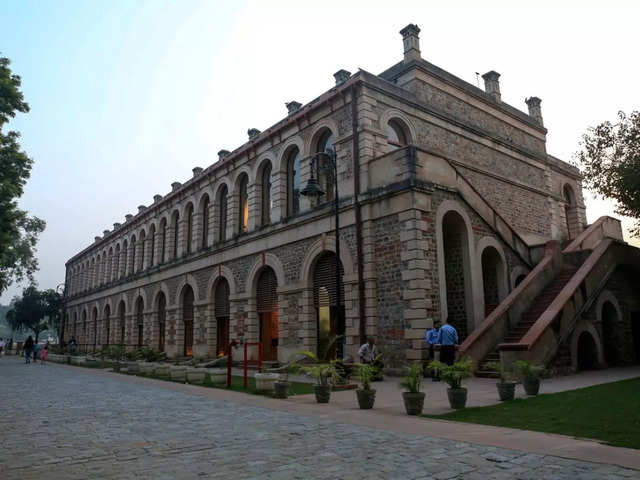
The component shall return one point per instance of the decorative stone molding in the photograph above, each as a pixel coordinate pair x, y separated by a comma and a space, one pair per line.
222, 154
253, 133
293, 106
157, 198
535, 110
341, 76
411, 42
141, 208
492, 84
196, 171
128, 217
175, 186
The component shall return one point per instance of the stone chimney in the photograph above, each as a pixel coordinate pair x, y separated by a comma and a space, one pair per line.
534, 109
116, 225
293, 107
128, 217
253, 133
492, 84
175, 186
141, 208
222, 154
105, 233
97, 239
157, 198
411, 41
341, 76
196, 171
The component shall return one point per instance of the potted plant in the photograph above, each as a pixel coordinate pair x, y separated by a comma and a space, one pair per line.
453, 375
506, 389
366, 395
281, 385
413, 398
324, 373
530, 375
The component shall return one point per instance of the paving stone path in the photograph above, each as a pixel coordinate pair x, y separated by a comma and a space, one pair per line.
67, 423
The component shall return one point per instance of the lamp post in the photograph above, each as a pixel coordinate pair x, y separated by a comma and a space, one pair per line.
313, 190
62, 312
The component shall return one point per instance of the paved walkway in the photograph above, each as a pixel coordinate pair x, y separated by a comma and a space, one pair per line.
81, 423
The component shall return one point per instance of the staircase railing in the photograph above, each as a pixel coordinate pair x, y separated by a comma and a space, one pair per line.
603, 227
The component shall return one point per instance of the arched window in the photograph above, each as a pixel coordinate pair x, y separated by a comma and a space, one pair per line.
293, 182
116, 264
125, 254
221, 310
143, 241
95, 328
162, 317
187, 317
152, 234
222, 217
266, 194
189, 219
175, 223
325, 169
570, 215
396, 137
163, 240
121, 314
243, 205
133, 254
205, 222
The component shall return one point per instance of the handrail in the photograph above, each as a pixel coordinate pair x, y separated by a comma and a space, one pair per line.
551, 248
548, 316
578, 242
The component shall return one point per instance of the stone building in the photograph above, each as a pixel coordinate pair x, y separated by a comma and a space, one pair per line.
450, 207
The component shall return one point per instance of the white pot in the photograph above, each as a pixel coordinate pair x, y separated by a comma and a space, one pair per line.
265, 381
195, 375
133, 367
146, 367
218, 375
161, 370
78, 361
178, 373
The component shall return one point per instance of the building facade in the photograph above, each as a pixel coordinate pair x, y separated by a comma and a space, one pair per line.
447, 197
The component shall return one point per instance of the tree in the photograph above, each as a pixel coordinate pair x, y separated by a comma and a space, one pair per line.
610, 161
36, 310
18, 232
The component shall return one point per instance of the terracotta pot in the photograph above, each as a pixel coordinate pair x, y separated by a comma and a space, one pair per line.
413, 402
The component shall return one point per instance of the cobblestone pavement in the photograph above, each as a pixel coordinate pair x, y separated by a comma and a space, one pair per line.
67, 423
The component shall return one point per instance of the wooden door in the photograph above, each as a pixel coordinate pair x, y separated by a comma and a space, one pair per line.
269, 335
222, 337
188, 338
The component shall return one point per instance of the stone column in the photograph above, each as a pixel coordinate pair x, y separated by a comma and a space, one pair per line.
196, 232
182, 237
233, 219
254, 204
146, 261
211, 236
169, 247
200, 335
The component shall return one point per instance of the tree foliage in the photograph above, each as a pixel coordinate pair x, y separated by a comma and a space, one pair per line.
18, 232
610, 162
36, 310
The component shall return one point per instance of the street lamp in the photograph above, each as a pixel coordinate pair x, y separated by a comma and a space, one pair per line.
62, 312
313, 190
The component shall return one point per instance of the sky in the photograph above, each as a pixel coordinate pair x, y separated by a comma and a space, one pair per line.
128, 96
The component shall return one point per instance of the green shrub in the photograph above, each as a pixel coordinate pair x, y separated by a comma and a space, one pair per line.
454, 374
413, 378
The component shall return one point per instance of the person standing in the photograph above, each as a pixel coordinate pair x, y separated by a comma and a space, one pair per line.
28, 347
432, 340
1, 345
368, 351
448, 339
45, 351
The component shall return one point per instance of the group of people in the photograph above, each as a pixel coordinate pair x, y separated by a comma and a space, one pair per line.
447, 337
31, 350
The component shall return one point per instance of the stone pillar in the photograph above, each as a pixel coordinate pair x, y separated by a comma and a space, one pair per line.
138, 260
492, 84
254, 204
200, 334
182, 237
411, 42
535, 109
232, 209
211, 236
146, 261
196, 232
308, 321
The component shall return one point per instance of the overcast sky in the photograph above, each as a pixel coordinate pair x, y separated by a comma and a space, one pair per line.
128, 96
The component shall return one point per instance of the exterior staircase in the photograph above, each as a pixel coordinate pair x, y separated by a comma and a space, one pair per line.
538, 306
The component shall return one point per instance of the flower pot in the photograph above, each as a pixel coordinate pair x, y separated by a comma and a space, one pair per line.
146, 367
506, 390
195, 375
366, 398
178, 373
323, 393
265, 381
218, 376
281, 389
413, 402
457, 397
531, 385
116, 366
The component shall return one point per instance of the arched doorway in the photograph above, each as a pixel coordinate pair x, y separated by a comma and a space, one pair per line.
121, 315
587, 352
187, 316
520, 279
140, 321
107, 325
492, 277
95, 328
329, 307
221, 312
457, 271
569, 209
267, 303
610, 327
162, 319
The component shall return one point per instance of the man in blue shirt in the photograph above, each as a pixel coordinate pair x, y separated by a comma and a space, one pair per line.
432, 339
448, 339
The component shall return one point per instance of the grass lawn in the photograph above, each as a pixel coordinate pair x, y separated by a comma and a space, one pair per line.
609, 412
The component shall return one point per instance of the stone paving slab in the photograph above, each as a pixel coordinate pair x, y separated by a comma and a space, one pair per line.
75, 424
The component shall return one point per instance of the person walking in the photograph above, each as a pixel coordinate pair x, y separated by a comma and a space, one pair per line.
45, 351
448, 339
36, 350
432, 340
28, 347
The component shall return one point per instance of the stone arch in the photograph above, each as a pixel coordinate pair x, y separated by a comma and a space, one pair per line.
473, 314
226, 181
187, 279
140, 292
609, 316
487, 246
280, 163
199, 196
219, 272
162, 288
577, 346
326, 244
185, 204
265, 260
245, 169
518, 273
390, 114
318, 128
122, 298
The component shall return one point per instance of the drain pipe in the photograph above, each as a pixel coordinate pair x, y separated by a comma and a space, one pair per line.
355, 137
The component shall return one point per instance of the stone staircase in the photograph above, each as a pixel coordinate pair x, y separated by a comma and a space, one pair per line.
538, 306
